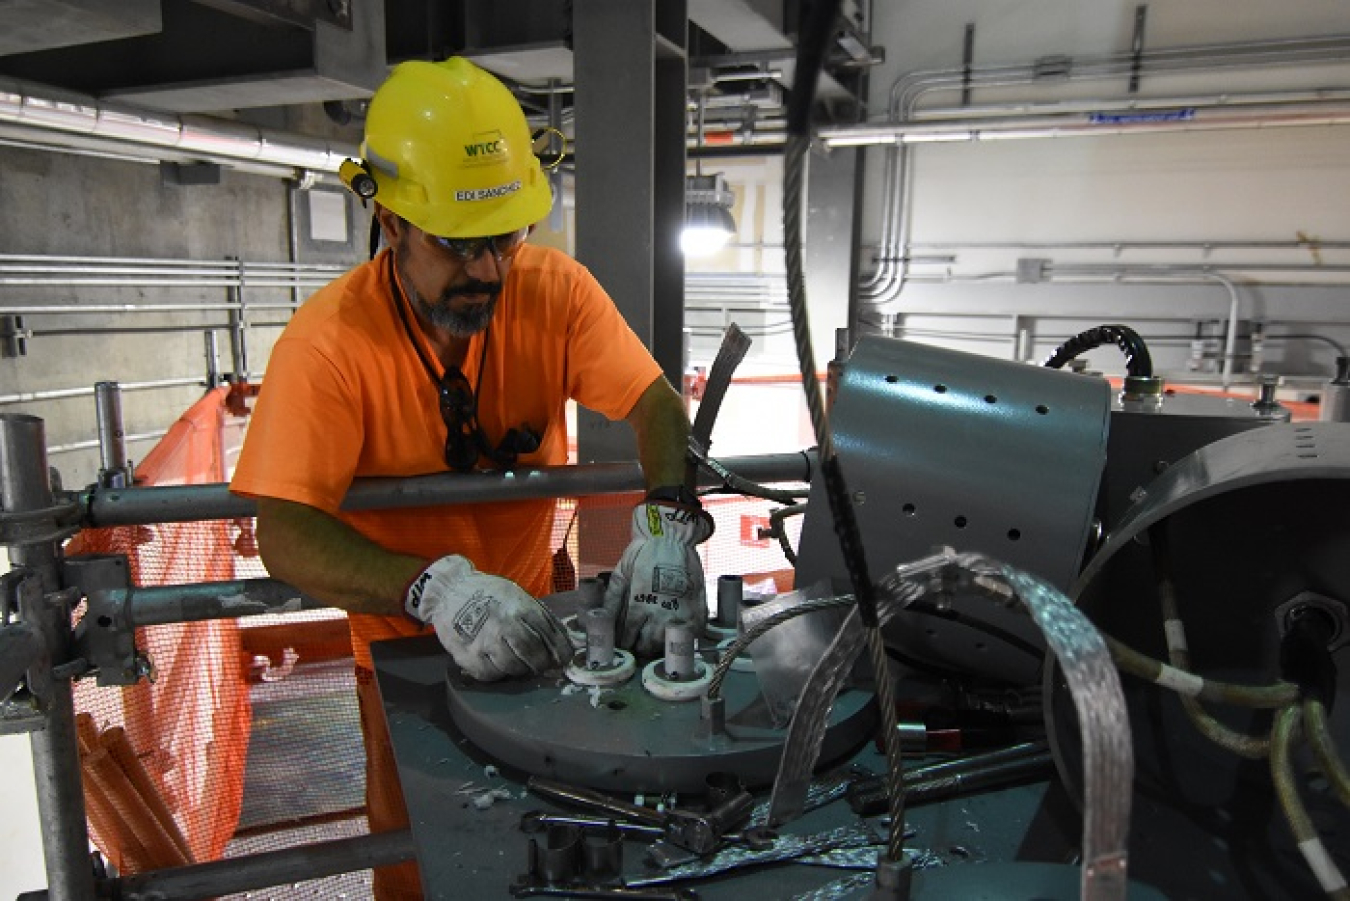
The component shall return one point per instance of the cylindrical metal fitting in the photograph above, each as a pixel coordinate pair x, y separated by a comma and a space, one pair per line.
730, 591
557, 862
599, 626
112, 437
24, 480
1266, 405
679, 660
722, 786
1335, 406
592, 592
602, 856
894, 878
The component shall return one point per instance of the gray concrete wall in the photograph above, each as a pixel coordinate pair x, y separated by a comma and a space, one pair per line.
76, 206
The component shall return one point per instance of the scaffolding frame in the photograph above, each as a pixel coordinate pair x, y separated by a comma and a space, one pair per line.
39, 653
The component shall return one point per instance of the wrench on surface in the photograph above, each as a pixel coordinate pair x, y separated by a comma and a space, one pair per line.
526, 890
538, 821
700, 833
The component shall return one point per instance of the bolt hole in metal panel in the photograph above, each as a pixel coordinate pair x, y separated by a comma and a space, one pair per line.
984, 455
624, 739
1256, 525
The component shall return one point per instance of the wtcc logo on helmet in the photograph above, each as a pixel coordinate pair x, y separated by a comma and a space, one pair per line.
487, 147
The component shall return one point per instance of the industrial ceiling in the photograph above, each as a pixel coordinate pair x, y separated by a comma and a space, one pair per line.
263, 61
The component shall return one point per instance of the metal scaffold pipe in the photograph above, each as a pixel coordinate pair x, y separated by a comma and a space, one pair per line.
187, 503
25, 488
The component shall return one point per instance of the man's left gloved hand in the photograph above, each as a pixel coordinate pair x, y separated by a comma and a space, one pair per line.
660, 577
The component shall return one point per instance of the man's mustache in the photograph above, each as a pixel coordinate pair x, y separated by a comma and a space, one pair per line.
491, 289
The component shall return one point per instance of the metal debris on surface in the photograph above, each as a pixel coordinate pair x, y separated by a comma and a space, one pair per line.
847, 887
787, 847
862, 858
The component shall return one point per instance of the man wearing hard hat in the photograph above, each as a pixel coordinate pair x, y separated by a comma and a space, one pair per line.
457, 348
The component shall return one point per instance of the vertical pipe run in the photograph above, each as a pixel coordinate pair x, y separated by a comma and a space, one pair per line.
238, 335
967, 63
1137, 46
212, 359
112, 437
25, 485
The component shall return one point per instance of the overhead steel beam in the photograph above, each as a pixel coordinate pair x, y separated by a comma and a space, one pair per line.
49, 24
346, 63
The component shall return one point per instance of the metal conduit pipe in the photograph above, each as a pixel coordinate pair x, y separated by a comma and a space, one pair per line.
8, 259
158, 283
90, 445
188, 503
268, 868
1319, 244
1168, 273
63, 393
1135, 274
135, 266
886, 280
45, 109
1213, 117
1133, 104
38, 309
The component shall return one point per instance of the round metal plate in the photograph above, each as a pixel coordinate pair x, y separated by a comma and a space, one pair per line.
625, 740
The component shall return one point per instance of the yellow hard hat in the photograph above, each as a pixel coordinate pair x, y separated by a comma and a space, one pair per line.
447, 148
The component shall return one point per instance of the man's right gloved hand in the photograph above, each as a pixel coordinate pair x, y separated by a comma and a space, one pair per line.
489, 624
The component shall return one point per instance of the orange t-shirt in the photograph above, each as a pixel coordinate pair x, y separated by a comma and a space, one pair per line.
345, 396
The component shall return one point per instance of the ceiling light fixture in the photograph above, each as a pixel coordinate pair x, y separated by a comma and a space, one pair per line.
708, 223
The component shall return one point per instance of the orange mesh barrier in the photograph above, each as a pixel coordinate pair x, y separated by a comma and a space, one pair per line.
188, 730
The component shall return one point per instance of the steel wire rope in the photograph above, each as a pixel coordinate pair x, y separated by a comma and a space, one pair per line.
817, 28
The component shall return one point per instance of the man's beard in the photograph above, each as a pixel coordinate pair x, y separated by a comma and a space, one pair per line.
460, 323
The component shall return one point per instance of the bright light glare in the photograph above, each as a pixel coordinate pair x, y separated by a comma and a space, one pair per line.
703, 240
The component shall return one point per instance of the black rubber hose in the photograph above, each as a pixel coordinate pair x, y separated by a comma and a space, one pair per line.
1138, 362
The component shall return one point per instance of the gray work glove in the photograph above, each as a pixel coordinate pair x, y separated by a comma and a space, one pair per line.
489, 624
660, 577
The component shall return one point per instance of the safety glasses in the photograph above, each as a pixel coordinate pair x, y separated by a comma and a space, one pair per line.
465, 441
466, 250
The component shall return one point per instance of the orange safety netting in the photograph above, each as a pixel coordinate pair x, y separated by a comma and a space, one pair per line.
188, 730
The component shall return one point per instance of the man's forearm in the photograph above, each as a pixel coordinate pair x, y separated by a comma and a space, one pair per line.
329, 560
662, 428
